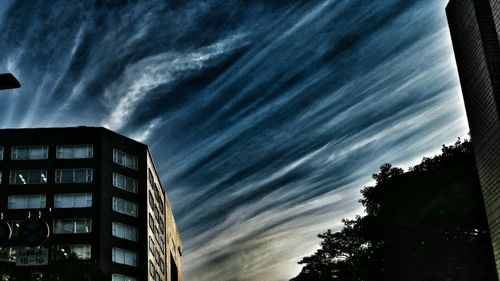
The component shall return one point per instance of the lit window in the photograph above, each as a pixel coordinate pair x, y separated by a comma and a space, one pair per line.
119, 277
124, 207
124, 183
124, 159
81, 251
124, 231
73, 175
28, 177
30, 152
75, 151
0, 177
72, 226
32, 201
73, 200
1, 152
123, 256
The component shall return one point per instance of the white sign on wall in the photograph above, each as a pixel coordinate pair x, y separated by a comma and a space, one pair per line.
30, 257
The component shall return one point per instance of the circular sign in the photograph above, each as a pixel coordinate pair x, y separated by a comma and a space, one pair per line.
32, 233
5, 232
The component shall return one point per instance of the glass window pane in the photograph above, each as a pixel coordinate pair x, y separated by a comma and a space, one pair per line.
125, 159
73, 200
29, 152
74, 151
28, 177
35, 201
67, 226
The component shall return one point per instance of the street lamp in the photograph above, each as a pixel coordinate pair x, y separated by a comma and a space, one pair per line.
8, 81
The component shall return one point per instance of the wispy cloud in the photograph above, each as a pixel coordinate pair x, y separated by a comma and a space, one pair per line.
265, 118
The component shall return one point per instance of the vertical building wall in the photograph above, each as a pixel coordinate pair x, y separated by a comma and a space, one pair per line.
475, 29
157, 259
174, 245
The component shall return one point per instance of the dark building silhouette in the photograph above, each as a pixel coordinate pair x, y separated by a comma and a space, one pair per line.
100, 195
475, 33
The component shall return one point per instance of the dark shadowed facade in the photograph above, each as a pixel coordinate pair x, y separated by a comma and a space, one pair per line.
475, 32
100, 195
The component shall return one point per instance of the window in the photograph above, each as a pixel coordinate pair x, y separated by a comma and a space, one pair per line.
0, 177
1, 152
124, 183
32, 201
124, 231
81, 251
151, 245
123, 256
28, 177
124, 159
73, 175
73, 200
75, 151
119, 277
72, 226
151, 269
30, 152
124, 207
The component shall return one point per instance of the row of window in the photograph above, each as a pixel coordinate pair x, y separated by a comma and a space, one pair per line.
83, 226
83, 175
67, 152
38, 201
42, 152
68, 200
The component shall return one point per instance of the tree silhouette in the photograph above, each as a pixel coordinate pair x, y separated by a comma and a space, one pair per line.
425, 224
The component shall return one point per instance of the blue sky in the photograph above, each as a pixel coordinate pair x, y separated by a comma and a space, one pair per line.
265, 118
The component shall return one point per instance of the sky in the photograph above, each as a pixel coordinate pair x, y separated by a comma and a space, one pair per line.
265, 118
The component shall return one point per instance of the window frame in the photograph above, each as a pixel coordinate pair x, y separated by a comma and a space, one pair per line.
87, 221
114, 225
135, 188
87, 249
27, 196
115, 159
114, 254
75, 193
59, 152
58, 175
43, 174
13, 151
114, 204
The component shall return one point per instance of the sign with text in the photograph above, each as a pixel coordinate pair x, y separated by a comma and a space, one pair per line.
30, 257
6, 255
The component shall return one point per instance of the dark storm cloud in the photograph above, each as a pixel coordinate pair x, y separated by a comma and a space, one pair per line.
265, 117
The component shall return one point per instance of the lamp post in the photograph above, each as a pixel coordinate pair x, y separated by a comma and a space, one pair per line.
8, 81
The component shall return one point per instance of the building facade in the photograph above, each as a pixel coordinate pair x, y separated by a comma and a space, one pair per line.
100, 194
475, 32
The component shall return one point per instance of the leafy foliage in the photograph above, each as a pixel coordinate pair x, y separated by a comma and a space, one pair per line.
426, 224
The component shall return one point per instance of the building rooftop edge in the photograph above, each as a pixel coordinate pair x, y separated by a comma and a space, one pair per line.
100, 128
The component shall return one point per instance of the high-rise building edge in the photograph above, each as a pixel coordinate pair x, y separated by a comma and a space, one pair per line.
475, 33
100, 195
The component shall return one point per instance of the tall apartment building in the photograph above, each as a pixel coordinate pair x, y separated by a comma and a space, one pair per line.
475, 33
100, 194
